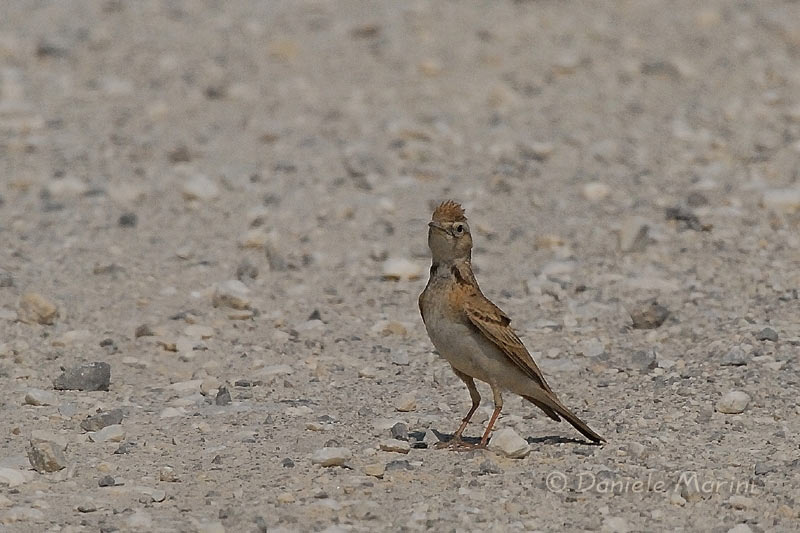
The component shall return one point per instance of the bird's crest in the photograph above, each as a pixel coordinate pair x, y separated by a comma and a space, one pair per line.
449, 211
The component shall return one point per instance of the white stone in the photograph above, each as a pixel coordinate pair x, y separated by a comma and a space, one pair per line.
331, 456
733, 402
615, 524
66, 187
231, 293
112, 433
40, 397
595, 191
400, 268
740, 528
406, 402
507, 442
14, 477
783, 200
200, 187
395, 445
171, 412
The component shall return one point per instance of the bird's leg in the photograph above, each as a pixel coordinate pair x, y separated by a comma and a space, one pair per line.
498, 406
456, 441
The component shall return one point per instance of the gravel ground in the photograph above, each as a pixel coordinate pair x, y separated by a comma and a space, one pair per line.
226, 203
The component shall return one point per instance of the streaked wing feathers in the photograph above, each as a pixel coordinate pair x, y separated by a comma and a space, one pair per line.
494, 324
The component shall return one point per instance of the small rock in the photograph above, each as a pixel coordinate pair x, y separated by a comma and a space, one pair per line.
331, 456
67, 409
430, 438
737, 501
636, 449
143, 330
591, 348
782, 200
400, 431
232, 293
767, 334
88, 507
489, 467
507, 442
633, 234
223, 396
287, 463
113, 433
128, 220
285, 497
172, 412
649, 315
686, 218
740, 528
125, 448
539, 151
14, 477
46, 456
736, 356
595, 191
394, 445
400, 357
643, 360
167, 474
98, 421
87, 377
200, 187
40, 397
106, 481
36, 308
375, 470
398, 268
676, 499
151, 494
733, 402
406, 402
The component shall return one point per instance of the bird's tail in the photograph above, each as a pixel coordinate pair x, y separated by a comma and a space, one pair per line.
556, 410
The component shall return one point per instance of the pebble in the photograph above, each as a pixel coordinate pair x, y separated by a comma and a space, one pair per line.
35, 308
167, 474
87, 377
740, 528
112, 433
395, 445
331, 456
100, 420
643, 360
507, 442
375, 470
737, 501
406, 402
214, 526
400, 431
400, 357
232, 293
782, 200
128, 220
736, 356
200, 187
14, 477
591, 348
595, 191
223, 396
430, 438
246, 270
733, 402
767, 334
540, 151
143, 330
66, 187
40, 397
633, 234
649, 315
106, 481
151, 494
172, 412
399, 268
46, 456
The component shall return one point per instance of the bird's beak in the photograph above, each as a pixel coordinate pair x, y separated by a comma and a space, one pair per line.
437, 225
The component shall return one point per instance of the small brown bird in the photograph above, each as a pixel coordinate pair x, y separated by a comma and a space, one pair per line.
473, 334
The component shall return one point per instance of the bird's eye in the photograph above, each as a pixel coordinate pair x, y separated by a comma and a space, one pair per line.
459, 229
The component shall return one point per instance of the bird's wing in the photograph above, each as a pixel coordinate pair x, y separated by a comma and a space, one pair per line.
494, 324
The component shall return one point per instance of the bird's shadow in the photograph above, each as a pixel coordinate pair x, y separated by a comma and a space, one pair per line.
546, 440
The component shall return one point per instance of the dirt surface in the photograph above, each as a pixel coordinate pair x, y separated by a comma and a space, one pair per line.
607, 153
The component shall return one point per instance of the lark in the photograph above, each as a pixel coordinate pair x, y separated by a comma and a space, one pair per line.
474, 335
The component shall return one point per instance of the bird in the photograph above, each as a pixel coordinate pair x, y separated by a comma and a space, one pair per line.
474, 335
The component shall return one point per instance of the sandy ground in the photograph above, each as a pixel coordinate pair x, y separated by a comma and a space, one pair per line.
607, 153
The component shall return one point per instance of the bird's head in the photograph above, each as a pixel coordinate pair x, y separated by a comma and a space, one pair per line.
448, 234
